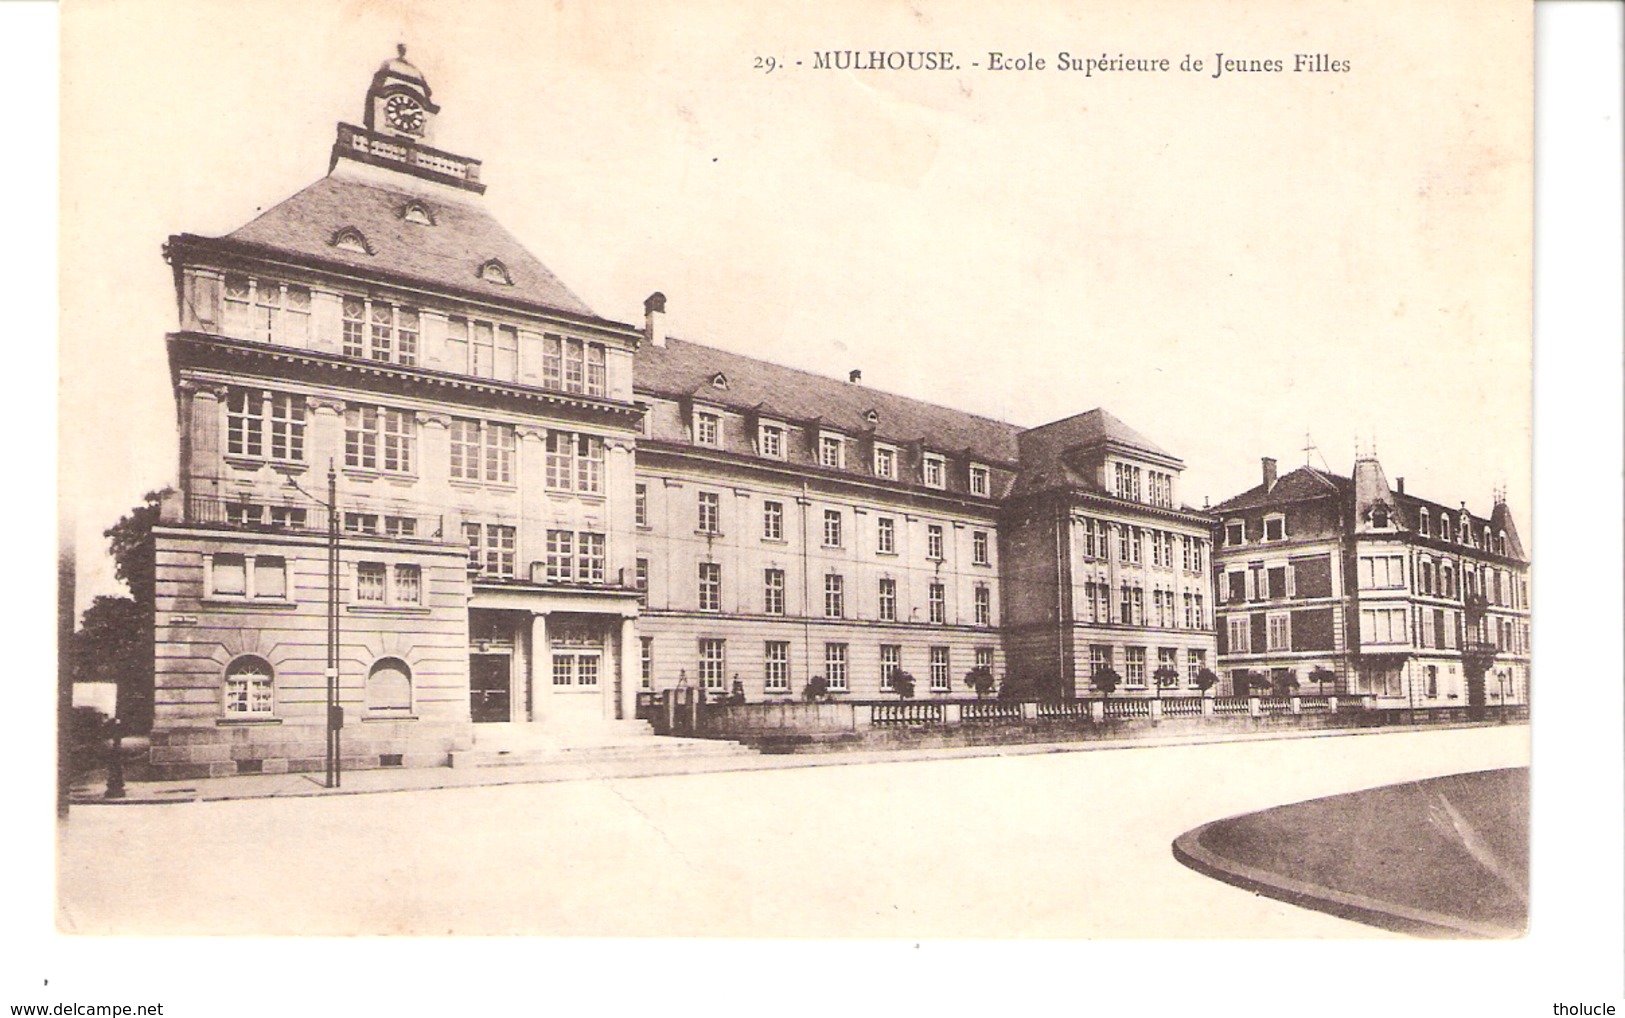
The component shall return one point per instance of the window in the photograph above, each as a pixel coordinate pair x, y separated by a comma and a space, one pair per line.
560, 556
832, 528
831, 452
1167, 661
574, 365
1200, 624
1161, 489
835, 666
984, 658
574, 669
984, 606
590, 557
482, 451
713, 663
265, 425
1240, 635
934, 470
1197, 547
378, 438
710, 587
288, 517
891, 662
834, 596
389, 687
640, 505
1100, 658
1128, 482
1133, 666
1280, 632
247, 576
1126, 606
1275, 577
978, 548
940, 678
1128, 544
378, 330
1190, 619
886, 535
597, 370
371, 582
933, 542
263, 310
1422, 522
1379, 572
491, 548
710, 521
248, 687
937, 602
228, 575
886, 462
647, 661
772, 521
776, 666
980, 483
773, 591
770, 438
1235, 533
707, 429
1383, 625
1195, 661
888, 599
1275, 528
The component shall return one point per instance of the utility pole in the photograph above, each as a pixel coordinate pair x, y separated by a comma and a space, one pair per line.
335, 712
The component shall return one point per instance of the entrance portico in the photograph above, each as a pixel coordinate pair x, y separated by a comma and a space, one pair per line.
560, 661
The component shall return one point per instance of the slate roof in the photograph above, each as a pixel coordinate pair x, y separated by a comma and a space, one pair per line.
1045, 449
682, 369
1293, 486
449, 253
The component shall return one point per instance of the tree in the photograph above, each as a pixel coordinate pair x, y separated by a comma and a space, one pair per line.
1206, 679
115, 638
980, 679
1322, 675
1258, 682
1105, 679
1166, 676
1286, 684
902, 683
816, 690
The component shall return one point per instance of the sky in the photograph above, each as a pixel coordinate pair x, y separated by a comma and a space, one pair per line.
1235, 266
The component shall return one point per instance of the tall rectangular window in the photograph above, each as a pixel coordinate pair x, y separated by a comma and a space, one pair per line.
647, 662
1195, 661
707, 429
560, 462
640, 579
984, 606
1279, 633
831, 452
710, 521
713, 664
886, 462
710, 587
1200, 617
934, 470
491, 548
382, 333
979, 554
979, 480
886, 535
597, 370
933, 542
355, 326
984, 658
1241, 639
937, 603
832, 528
499, 448
1100, 658
888, 599
379, 438
589, 464
465, 449
835, 666
406, 336
773, 591
1168, 666
891, 662
640, 505
590, 557
941, 680
371, 580
772, 521
408, 584
776, 666
552, 361
1133, 666
574, 365
834, 596
770, 437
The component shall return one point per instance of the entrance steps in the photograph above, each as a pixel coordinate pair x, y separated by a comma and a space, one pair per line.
522, 745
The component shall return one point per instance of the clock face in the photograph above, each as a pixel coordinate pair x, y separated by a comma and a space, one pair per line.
403, 113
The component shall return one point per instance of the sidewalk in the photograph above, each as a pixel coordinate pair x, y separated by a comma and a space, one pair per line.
88, 792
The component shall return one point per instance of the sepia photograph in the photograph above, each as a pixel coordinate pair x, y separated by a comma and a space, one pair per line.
774, 478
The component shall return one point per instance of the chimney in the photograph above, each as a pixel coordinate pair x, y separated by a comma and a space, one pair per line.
1399, 485
855, 377
1269, 473
654, 319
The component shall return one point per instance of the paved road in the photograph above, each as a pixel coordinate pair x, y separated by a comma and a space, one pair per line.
1063, 845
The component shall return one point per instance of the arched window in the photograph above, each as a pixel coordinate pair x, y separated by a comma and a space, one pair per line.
351, 239
248, 687
389, 687
417, 212
494, 271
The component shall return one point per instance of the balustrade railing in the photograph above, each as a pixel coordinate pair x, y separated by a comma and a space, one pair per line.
1309, 703
1231, 705
1182, 707
1063, 710
906, 714
1275, 704
1128, 708
990, 711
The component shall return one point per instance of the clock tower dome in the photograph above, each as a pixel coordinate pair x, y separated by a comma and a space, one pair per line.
398, 102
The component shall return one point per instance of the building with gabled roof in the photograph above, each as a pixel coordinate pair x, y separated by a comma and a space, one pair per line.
1352, 585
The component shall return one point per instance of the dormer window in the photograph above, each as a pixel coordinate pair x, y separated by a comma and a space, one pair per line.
1422, 522
1379, 516
885, 462
708, 428
872, 417
719, 381
934, 470
770, 440
1235, 533
351, 239
417, 212
831, 451
1275, 527
494, 271
980, 480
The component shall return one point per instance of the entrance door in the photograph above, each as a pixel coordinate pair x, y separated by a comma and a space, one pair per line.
488, 686
577, 686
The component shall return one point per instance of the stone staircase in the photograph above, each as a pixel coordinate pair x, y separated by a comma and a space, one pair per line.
618, 742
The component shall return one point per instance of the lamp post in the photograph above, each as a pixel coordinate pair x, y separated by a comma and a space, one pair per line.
335, 712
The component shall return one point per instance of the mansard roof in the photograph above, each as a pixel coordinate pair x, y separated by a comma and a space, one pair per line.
1294, 486
1048, 452
450, 254
683, 369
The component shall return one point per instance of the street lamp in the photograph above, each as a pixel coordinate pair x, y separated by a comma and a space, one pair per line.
335, 712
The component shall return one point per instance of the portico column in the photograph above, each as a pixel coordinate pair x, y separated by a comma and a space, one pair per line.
541, 669
631, 669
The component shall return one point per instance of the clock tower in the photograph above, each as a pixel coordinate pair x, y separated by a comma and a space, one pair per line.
398, 102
